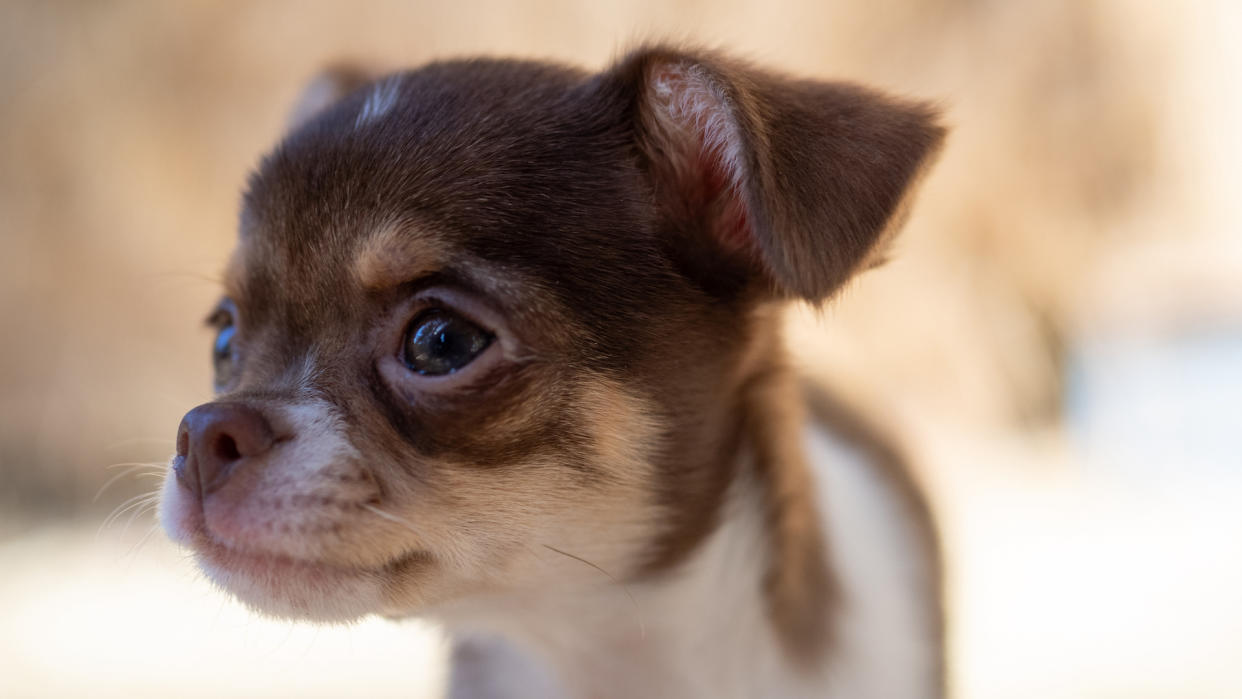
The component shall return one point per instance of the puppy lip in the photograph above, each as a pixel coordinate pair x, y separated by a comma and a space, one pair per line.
280, 567
191, 529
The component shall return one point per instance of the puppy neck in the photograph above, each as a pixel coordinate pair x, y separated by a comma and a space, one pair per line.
745, 614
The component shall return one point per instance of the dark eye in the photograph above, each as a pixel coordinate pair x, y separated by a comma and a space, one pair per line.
439, 342
222, 352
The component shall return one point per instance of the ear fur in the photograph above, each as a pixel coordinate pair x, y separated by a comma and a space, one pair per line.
797, 183
325, 89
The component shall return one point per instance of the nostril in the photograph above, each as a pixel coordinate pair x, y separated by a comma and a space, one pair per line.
183, 440
226, 448
214, 438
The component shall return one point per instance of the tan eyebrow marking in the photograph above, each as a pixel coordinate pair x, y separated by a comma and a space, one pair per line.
395, 254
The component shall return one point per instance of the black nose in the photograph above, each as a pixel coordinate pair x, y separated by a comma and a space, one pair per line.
213, 438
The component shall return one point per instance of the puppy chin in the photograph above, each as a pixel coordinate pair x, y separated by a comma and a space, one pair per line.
289, 589
277, 585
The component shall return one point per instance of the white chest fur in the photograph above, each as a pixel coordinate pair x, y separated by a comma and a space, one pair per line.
703, 631
885, 628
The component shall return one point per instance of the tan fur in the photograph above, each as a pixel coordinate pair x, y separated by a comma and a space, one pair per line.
502, 346
891, 463
799, 586
396, 253
529, 524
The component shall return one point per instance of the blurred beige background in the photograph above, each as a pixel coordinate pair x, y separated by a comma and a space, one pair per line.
1059, 334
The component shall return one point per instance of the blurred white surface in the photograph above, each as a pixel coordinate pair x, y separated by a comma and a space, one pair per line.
1086, 583
82, 615
1065, 585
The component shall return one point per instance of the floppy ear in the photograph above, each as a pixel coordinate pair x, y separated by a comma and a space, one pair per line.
792, 183
326, 89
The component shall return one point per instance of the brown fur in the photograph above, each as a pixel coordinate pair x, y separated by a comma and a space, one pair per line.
799, 585
852, 424
631, 272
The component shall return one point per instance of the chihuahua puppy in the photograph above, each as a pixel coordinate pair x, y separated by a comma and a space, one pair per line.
500, 346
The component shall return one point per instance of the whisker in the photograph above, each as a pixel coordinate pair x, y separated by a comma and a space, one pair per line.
146, 506
390, 517
135, 502
642, 627
450, 553
155, 464
187, 275
124, 506
136, 508
445, 551
139, 440
131, 468
132, 553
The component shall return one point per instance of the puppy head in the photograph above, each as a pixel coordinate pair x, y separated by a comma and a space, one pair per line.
488, 320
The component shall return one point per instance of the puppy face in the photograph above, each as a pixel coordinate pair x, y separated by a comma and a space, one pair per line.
488, 320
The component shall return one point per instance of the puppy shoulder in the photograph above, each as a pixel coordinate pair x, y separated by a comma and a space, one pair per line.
884, 546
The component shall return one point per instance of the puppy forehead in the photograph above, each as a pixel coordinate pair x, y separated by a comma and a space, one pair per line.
379, 258
474, 146
372, 263
519, 167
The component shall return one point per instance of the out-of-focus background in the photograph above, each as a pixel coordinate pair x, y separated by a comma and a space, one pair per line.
1059, 334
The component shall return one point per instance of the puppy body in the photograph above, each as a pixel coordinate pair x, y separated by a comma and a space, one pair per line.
706, 629
500, 346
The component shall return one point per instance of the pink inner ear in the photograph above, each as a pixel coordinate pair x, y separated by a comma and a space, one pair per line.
729, 219
704, 144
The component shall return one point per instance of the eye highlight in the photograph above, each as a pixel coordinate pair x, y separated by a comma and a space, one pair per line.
440, 342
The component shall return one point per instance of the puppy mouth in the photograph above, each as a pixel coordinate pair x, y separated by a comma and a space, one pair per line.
259, 564
282, 585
